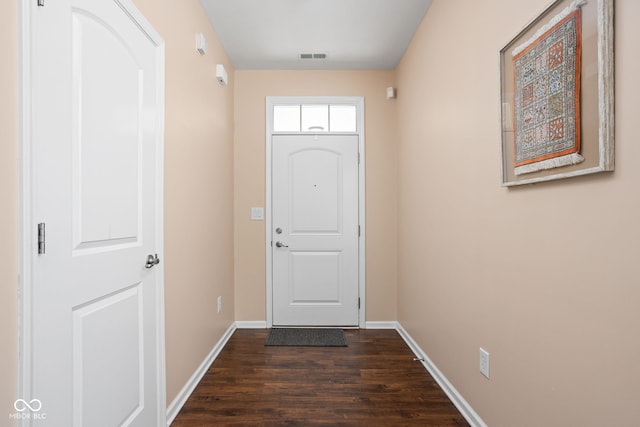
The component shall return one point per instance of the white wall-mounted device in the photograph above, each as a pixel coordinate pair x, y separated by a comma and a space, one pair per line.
201, 44
221, 75
391, 92
257, 214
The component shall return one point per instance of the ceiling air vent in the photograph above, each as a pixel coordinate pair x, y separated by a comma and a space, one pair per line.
313, 56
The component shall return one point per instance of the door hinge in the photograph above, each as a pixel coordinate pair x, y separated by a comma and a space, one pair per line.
41, 238
41, 3
358, 231
358, 157
358, 303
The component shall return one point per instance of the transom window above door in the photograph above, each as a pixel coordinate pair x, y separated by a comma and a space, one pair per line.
315, 118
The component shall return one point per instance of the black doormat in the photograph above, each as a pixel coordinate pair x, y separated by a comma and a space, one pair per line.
309, 337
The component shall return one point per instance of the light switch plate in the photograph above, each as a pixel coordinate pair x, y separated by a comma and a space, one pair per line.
257, 214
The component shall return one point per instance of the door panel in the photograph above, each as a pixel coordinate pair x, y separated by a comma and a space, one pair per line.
107, 135
315, 206
113, 324
315, 277
97, 144
316, 191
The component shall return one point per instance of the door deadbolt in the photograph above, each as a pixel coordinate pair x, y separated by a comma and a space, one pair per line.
278, 230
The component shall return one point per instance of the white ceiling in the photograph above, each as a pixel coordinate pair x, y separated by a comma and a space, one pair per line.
354, 34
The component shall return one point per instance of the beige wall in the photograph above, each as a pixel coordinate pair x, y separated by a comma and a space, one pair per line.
544, 277
198, 188
9, 207
249, 167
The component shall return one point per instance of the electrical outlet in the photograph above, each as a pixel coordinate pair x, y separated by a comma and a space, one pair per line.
484, 362
219, 304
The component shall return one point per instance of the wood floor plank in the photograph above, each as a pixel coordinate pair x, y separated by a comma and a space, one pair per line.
372, 382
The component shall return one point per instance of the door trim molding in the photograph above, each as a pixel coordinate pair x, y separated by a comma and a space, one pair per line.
358, 101
25, 233
26, 196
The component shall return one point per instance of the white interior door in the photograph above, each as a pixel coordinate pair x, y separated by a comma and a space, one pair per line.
315, 230
96, 123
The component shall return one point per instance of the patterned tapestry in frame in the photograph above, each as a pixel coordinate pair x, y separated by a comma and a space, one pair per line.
557, 94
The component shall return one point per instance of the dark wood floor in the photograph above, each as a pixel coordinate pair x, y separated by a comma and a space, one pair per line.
372, 382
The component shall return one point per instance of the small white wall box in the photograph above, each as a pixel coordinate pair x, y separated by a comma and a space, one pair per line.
221, 75
391, 92
201, 44
257, 214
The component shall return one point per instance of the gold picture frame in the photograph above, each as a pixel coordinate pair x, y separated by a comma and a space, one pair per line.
596, 93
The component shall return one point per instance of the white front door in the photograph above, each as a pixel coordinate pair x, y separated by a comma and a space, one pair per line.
96, 310
315, 230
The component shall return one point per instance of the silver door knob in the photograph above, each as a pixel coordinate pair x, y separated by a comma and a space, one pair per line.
281, 245
152, 260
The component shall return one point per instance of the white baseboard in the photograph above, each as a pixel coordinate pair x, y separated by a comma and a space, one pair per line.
251, 324
456, 398
189, 387
381, 325
261, 324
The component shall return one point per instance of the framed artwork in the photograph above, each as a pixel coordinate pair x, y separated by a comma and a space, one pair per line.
557, 94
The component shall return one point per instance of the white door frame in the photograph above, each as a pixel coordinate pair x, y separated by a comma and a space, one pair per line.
358, 101
27, 249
